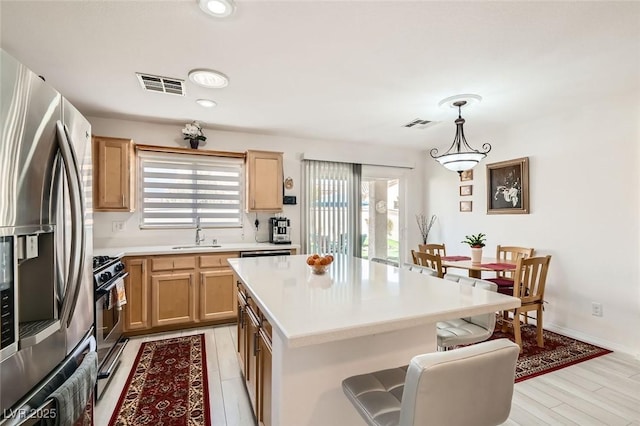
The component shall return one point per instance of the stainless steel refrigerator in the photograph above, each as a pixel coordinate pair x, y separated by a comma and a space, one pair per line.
46, 282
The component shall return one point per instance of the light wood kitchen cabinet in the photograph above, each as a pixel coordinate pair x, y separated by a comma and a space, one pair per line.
217, 287
217, 295
264, 181
264, 379
255, 355
137, 290
172, 299
179, 291
113, 174
241, 344
251, 363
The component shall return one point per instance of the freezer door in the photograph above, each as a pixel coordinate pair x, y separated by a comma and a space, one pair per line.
29, 109
80, 315
37, 407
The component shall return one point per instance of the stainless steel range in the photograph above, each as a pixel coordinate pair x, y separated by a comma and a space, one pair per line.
108, 275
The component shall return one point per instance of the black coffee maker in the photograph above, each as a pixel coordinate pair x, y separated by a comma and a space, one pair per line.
279, 230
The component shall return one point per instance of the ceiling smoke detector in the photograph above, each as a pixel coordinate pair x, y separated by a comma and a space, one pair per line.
158, 84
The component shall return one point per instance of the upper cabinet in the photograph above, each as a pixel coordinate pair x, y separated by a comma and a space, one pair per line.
264, 181
113, 174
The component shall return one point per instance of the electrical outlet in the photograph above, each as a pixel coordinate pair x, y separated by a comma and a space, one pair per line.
117, 226
596, 309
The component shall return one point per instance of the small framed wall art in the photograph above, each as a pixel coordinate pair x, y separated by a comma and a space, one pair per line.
466, 206
508, 187
466, 190
466, 175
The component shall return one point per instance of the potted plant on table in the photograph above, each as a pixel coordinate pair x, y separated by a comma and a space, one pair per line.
476, 242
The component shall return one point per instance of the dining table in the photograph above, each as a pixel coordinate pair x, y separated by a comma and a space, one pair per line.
475, 269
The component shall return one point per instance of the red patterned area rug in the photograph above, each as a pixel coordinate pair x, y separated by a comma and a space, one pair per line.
167, 385
558, 352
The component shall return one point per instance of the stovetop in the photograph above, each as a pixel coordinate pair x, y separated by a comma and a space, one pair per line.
106, 270
99, 261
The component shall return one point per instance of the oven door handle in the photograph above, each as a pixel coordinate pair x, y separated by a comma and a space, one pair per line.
106, 289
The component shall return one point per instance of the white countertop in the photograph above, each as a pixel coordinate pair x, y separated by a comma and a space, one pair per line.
168, 249
354, 298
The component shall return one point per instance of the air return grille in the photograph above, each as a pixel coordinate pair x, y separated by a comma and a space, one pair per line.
155, 83
419, 124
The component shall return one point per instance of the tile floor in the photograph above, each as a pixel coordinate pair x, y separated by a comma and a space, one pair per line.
602, 391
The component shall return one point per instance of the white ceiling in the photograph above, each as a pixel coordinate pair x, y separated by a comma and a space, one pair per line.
353, 71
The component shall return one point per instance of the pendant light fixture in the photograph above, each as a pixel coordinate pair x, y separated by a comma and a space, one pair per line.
460, 156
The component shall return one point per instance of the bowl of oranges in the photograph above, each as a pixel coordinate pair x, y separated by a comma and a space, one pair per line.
319, 264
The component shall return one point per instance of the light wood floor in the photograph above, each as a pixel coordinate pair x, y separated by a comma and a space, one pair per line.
602, 391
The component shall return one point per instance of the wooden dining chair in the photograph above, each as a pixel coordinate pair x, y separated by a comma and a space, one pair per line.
433, 261
531, 276
434, 249
509, 254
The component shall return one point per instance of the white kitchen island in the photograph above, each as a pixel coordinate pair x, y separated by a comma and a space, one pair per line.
358, 317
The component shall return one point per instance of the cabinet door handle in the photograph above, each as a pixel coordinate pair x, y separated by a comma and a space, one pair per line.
256, 341
123, 200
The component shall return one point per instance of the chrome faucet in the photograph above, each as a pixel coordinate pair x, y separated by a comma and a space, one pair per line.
199, 233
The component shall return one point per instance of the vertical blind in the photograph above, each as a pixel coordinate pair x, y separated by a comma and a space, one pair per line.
331, 207
178, 189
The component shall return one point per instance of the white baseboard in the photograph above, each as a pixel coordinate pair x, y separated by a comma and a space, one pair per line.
593, 340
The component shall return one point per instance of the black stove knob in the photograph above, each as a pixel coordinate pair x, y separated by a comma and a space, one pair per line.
105, 276
119, 267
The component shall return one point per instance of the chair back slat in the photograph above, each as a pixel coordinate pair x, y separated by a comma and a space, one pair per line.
511, 254
531, 274
433, 249
433, 261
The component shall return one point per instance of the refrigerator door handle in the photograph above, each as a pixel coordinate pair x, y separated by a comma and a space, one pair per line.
77, 228
61, 280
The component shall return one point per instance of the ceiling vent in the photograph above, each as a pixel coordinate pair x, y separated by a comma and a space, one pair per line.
419, 124
154, 83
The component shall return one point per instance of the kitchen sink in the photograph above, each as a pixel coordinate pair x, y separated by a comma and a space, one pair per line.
195, 246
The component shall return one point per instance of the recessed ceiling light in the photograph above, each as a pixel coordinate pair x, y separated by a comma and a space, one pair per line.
207, 103
217, 8
208, 78
450, 102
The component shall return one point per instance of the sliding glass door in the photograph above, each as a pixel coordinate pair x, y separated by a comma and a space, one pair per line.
382, 212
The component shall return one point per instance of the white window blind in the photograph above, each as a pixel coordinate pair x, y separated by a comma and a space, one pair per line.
177, 189
331, 207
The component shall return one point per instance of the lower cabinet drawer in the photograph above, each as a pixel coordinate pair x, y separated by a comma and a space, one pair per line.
216, 260
168, 263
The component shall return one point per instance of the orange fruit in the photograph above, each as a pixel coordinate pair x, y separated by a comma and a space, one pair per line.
310, 260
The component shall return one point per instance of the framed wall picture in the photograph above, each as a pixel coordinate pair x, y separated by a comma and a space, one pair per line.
466, 175
508, 187
466, 189
466, 206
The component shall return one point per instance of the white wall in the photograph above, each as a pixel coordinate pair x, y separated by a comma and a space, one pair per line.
584, 189
293, 148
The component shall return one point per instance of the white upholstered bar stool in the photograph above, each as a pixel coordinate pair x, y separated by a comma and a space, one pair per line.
466, 386
468, 330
